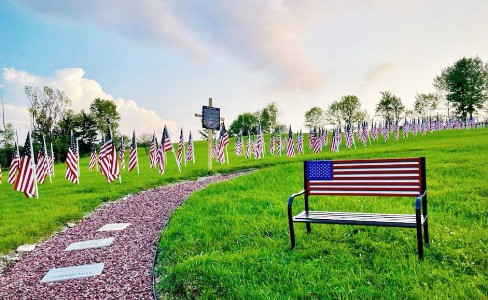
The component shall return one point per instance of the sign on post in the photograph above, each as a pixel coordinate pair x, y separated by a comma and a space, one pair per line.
211, 117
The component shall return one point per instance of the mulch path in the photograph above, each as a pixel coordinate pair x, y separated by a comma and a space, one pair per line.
128, 260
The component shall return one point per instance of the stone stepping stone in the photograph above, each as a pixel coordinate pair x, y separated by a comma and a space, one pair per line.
59, 274
90, 244
113, 227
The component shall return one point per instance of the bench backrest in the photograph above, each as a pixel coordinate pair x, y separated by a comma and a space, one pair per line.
397, 177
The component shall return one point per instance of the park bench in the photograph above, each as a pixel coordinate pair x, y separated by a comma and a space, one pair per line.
398, 177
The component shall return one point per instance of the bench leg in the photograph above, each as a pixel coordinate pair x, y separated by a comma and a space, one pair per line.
308, 228
292, 234
420, 243
426, 231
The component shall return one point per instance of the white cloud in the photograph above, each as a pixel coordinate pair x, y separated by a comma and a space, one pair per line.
81, 91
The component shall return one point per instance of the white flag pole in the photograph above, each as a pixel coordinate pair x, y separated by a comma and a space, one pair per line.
45, 152
33, 166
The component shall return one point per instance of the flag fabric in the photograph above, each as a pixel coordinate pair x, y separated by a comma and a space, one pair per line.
190, 150
93, 158
397, 130
364, 134
133, 158
374, 133
405, 129
299, 143
122, 154
161, 160
26, 178
153, 152
181, 149
238, 145
311, 138
42, 167
259, 143
334, 144
278, 143
107, 159
317, 142
349, 136
386, 132
214, 147
272, 143
166, 141
51, 161
290, 147
223, 142
72, 162
248, 145
14, 165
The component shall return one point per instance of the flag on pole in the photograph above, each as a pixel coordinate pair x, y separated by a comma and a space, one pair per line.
14, 165
290, 148
153, 152
248, 145
93, 158
42, 167
122, 154
51, 161
238, 145
190, 155
349, 136
223, 142
72, 162
272, 143
364, 133
311, 138
181, 149
161, 160
278, 143
26, 178
166, 141
299, 143
133, 158
107, 159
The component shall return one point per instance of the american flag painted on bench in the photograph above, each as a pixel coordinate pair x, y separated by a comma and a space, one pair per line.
382, 177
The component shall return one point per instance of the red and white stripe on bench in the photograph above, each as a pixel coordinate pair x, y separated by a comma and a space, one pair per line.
376, 177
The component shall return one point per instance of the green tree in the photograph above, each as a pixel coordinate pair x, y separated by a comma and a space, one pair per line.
390, 106
85, 126
268, 117
334, 113
426, 103
102, 111
465, 85
350, 108
314, 117
247, 122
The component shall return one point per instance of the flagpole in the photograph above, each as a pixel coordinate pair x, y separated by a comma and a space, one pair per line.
137, 155
34, 166
227, 154
77, 158
52, 156
113, 145
174, 152
45, 152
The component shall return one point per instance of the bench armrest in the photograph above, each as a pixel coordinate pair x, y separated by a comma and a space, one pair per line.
419, 201
290, 200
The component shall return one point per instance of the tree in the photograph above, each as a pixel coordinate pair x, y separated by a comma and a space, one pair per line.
350, 108
245, 122
47, 108
102, 110
85, 126
267, 117
426, 103
465, 85
390, 106
334, 114
315, 117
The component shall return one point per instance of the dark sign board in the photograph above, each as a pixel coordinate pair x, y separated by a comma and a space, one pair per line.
211, 117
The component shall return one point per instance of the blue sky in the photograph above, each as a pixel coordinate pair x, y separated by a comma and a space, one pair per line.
161, 60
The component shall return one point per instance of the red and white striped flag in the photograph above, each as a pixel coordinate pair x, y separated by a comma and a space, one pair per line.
166, 141
14, 165
153, 152
272, 143
278, 143
122, 154
42, 167
93, 158
107, 159
26, 178
290, 147
181, 149
190, 155
161, 159
248, 145
72, 162
51, 161
223, 142
133, 158
299, 144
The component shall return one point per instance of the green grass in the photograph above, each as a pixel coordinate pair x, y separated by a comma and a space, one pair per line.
231, 240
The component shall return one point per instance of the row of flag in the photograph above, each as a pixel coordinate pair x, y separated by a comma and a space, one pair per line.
25, 174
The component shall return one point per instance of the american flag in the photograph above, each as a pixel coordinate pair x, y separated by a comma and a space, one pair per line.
181, 149
223, 142
334, 144
272, 143
359, 132
248, 145
397, 130
311, 138
122, 154
93, 158
133, 158
317, 142
290, 147
42, 167
153, 152
405, 128
392, 177
260, 143
374, 133
51, 161
161, 159
364, 135
238, 145
278, 143
72, 162
166, 141
107, 159
214, 147
14, 165
26, 178
349, 136
387, 132
190, 155
300, 142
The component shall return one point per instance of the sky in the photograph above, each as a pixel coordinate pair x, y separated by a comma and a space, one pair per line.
160, 61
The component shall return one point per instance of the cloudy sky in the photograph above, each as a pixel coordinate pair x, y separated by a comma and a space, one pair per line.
161, 60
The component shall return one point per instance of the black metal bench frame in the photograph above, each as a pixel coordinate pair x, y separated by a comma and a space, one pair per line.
398, 177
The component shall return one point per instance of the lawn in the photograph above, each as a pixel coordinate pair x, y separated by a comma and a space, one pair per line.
231, 240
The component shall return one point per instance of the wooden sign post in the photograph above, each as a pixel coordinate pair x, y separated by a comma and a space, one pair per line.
210, 120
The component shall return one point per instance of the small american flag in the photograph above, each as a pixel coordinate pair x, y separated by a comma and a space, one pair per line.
248, 145
334, 145
72, 162
290, 147
405, 128
299, 144
387, 132
364, 135
166, 141
214, 147
259, 143
93, 158
122, 154
278, 143
311, 138
161, 159
42, 168
374, 132
238, 145
272, 143
14, 165
349, 136
317, 142
190, 150
181, 149
223, 142
107, 159
133, 158
51, 161
26, 178
153, 152
397, 130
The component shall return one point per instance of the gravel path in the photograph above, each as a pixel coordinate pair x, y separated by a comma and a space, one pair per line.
128, 260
